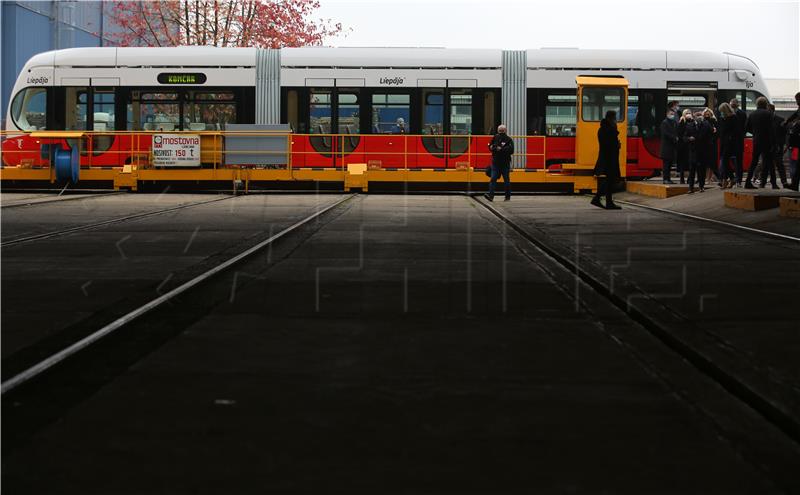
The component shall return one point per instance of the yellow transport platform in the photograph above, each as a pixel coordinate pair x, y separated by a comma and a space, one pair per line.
656, 190
758, 199
356, 176
790, 206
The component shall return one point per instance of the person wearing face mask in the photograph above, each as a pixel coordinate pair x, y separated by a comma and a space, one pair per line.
711, 158
675, 107
759, 124
685, 145
607, 167
502, 148
669, 143
704, 150
727, 136
741, 122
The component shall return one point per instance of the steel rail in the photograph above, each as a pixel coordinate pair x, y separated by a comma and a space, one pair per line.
778, 416
711, 220
39, 368
79, 228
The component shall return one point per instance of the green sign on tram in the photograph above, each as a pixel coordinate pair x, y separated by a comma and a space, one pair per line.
181, 78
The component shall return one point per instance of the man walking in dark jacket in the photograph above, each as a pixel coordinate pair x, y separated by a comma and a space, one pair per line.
738, 139
779, 135
669, 143
502, 147
792, 127
759, 124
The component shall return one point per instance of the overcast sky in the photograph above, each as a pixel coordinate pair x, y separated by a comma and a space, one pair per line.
768, 31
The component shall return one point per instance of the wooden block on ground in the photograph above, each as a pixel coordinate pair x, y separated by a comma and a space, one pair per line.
790, 206
656, 190
751, 200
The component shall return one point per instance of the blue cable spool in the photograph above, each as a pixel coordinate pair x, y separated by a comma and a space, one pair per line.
67, 164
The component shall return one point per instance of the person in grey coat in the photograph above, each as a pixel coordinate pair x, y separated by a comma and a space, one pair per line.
669, 145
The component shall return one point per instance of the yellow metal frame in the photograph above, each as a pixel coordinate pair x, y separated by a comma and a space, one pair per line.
586, 145
350, 170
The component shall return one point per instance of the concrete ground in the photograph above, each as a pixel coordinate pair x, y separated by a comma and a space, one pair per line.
711, 204
737, 288
415, 344
65, 287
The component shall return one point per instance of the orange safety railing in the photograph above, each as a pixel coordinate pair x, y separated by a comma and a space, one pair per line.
116, 149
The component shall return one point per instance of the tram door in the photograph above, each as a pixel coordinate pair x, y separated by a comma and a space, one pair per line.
596, 96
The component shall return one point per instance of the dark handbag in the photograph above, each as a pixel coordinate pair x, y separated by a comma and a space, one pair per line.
488, 171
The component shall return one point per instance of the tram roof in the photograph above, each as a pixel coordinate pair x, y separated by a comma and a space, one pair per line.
545, 58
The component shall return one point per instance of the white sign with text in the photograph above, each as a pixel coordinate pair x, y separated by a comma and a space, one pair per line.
176, 150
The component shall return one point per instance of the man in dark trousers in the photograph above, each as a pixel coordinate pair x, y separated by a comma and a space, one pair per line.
792, 126
779, 135
669, 143
738, 139
759, 124
502, 147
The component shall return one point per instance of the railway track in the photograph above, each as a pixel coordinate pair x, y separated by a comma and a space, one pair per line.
720, 223
769, 406
42, 367
40, 200
90, 226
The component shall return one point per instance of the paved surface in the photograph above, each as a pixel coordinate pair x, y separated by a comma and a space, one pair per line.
738, 288
21, 199
711, 204
413, 344
78, 282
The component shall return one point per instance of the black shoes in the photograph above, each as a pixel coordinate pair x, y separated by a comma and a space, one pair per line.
749, 185
507, 199
490, 198
609, 205
668, 181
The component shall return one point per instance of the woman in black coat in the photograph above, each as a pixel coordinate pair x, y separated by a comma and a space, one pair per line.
607, 167
728, 131
669, 145
695, 133
685, 147
711, 158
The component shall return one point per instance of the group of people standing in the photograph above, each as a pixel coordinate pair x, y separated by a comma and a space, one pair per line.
698, 142
706, 145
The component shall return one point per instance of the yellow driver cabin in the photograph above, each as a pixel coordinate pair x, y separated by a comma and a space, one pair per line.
596, 96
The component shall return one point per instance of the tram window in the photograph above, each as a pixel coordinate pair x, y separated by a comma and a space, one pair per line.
633, 115
642, 115
349, 121
692, 102
433, 112
291, 109
597, 101
750, 98
561, 115
208, 111
461, 112
391, 113
320, 112
29, 109
103, 111
153, 111
77, 108
488, 112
